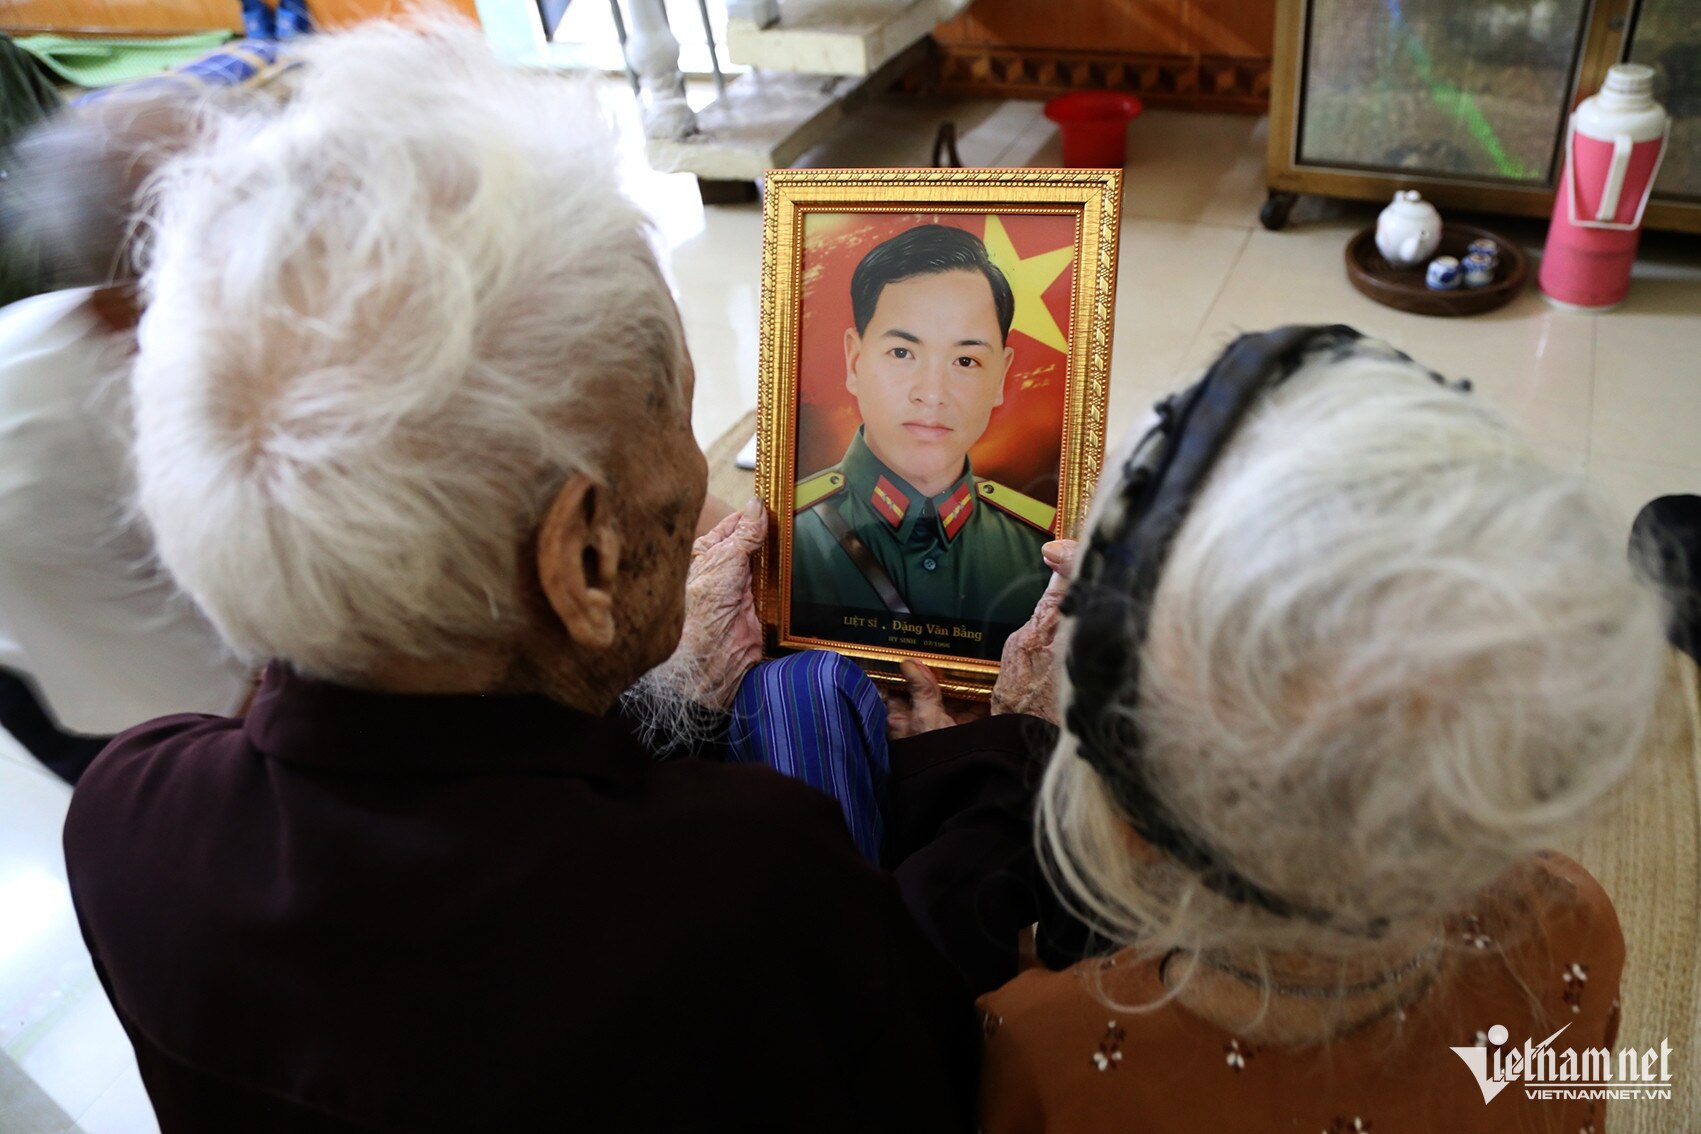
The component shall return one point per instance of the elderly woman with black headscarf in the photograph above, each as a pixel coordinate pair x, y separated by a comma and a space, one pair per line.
1342, 657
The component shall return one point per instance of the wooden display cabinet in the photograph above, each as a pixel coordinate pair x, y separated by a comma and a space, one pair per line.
1467, 101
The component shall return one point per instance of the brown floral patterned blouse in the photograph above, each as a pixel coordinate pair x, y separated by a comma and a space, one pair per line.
1057, 1059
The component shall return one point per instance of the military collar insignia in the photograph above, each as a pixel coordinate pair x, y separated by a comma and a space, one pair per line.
888, 503
956, 510
892, 498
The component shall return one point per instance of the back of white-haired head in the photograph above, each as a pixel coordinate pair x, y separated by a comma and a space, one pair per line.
384, 325
1391, 654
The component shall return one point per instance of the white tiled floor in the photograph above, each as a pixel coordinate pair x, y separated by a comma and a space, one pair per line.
1616, 395
61, 1049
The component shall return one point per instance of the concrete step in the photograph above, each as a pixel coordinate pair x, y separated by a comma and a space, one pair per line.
765, 120
837, 37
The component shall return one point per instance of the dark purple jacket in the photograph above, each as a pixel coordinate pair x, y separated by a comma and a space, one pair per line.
358, 911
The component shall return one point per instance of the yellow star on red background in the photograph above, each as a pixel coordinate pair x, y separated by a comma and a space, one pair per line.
1029, 279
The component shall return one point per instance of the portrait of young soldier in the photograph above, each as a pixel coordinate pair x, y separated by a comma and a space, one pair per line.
901, 525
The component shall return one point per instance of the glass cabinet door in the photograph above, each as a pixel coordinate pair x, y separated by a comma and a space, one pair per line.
1666, 35
1475, 89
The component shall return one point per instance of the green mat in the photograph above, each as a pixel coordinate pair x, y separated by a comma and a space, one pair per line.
103, 62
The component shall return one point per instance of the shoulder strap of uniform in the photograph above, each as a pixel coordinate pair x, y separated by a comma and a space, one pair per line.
817, 488
864, 560
1024, 508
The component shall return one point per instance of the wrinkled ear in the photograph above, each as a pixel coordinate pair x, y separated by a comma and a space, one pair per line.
578, 559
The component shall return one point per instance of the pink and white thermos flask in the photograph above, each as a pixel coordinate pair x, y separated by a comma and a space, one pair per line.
1612, 154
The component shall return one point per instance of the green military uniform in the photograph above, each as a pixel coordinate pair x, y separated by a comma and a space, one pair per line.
864, 539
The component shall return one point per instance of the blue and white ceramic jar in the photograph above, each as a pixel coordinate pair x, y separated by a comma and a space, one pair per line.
1443, 274
1479, 269
1484, 247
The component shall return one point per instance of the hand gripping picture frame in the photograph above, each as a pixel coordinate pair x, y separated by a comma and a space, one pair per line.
935, 360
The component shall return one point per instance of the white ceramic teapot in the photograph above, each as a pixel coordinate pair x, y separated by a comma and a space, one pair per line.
1409, 229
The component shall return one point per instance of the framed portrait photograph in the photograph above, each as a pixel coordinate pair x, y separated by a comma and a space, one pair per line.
935, 360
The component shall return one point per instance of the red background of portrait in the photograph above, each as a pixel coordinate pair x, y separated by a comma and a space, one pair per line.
1023, 443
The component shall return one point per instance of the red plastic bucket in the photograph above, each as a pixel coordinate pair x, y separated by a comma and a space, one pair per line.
1095, 127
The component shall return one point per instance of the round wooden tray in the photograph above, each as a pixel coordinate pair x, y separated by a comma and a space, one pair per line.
1403, 287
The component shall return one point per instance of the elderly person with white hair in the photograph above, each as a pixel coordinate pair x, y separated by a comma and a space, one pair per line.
413, 424
1343, 657
94, 636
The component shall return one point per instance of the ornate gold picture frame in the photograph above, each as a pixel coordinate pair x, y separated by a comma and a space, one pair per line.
935, 359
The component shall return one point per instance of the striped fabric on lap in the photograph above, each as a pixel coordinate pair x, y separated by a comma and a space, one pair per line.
816, 717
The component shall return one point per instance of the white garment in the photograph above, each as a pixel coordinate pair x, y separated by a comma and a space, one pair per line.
106, 636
